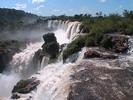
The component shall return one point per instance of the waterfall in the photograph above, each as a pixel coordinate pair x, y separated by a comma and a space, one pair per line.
20, 67
71, 29
54, 77
54, 82
44, 61
22, 62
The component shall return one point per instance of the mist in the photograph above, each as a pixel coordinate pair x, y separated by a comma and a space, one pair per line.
9, 80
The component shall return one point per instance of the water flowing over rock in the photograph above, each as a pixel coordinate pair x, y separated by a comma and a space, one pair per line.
103, 79
23, 66
26, 86
7, 49
22, 62
99, 53
71, 29
54, 82
20, 67
101, 76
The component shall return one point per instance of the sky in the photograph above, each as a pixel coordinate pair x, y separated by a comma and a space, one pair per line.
68, 7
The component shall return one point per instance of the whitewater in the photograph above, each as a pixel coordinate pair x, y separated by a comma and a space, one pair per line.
54, 78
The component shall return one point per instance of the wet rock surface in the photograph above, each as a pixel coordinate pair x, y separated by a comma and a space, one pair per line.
104, 80
15, 96
25, 86
116, 43
7, 50
99, 53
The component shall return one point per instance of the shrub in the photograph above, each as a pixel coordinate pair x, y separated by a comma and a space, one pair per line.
96, 36
90, 41
86, 26
107, 42
20, 87
129, 30
22, 83
74, 47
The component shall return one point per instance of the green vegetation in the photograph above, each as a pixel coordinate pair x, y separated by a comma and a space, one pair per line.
80, 42
94, 26
96, 29
13, 21
74, 47
20, 87
103, 23
107, 42
25, 86
90, 41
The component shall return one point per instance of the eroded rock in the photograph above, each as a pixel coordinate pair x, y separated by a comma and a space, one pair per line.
96, 53
7, 50
115, 43
94, 80
26, 86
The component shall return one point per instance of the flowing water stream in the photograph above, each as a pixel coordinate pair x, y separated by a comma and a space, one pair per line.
53, 77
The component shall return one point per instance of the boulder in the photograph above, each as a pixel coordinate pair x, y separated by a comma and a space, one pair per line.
4, 59
50, 37
26, 86
109, 56
7, 50
120, 44
15, 96
51, 46
95, 53
115, 43
91, 54
94, 80
39, 55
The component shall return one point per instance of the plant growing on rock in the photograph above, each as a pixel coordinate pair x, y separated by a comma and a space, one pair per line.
26, 86
90, 41
74, 47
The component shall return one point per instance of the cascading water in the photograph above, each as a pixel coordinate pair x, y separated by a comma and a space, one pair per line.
22, 62
19, 68
126, 60
70, 29
54, 82
54, 78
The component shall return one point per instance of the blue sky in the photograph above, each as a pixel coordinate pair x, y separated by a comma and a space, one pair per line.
68, 7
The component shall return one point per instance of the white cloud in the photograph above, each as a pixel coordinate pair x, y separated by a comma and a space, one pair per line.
37, 1
20, 6
103, 1
121, 7
39, 7
56, 10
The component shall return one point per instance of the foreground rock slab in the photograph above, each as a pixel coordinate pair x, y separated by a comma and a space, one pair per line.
94, 80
